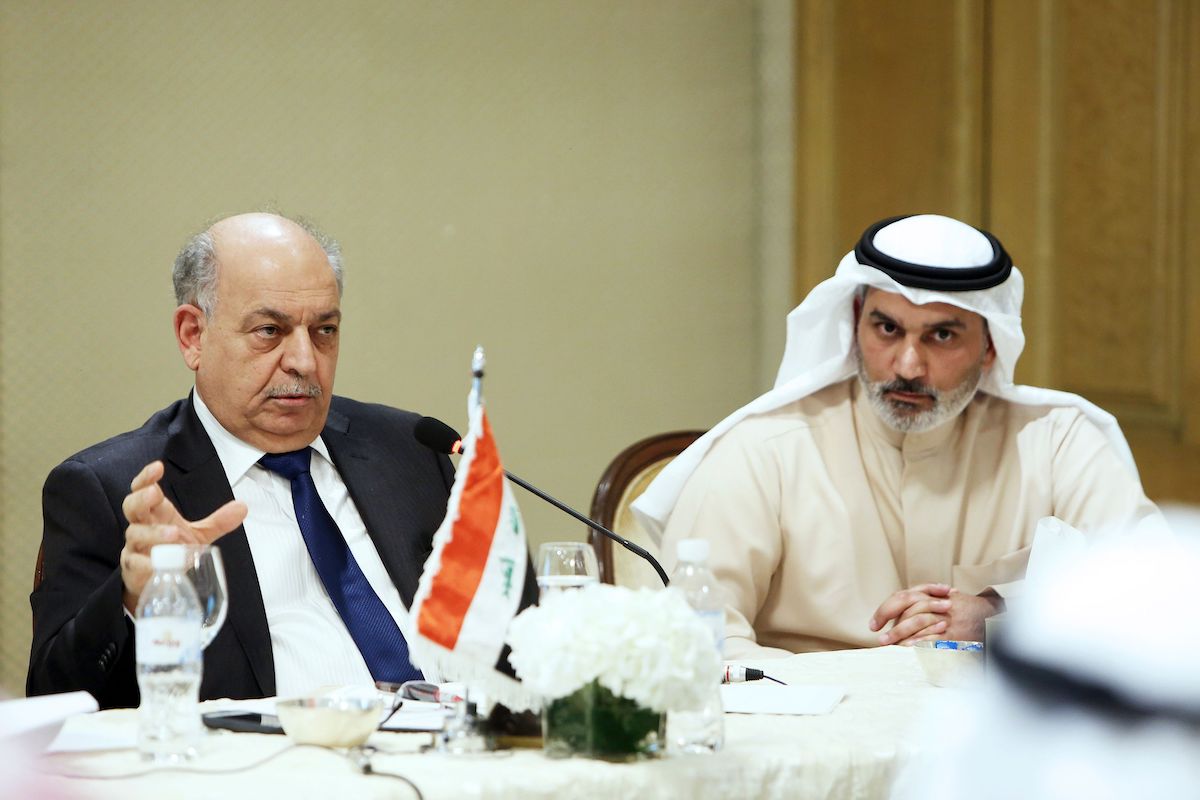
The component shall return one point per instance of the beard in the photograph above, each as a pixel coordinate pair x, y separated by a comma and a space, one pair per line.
907, 418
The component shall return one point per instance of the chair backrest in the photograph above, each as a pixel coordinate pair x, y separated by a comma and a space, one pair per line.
623, 482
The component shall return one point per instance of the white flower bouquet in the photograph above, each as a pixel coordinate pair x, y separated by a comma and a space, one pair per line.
648, 646
611, 662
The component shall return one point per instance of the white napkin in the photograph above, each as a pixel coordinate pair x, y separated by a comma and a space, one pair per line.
35, 721
767, 697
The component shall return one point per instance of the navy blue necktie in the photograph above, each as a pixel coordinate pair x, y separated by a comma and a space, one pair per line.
371, 626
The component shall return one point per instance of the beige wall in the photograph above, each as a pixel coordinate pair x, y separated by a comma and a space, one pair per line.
574, 185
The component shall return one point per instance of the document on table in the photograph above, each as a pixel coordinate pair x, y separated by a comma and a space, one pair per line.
52, 723
34, 717
413, 715
80, 735
765, 697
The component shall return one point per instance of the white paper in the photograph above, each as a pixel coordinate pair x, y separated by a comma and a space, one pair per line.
768, 697
84, 740
264, 705
415, 715
34, 721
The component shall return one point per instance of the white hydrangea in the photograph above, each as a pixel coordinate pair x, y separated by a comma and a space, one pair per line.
646, 645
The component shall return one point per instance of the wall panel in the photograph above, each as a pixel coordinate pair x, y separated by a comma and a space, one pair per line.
1114, 264
889, 111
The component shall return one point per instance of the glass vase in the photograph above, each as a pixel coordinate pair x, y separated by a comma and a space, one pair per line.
596, 723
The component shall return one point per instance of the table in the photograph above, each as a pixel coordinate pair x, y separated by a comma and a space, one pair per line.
851, 753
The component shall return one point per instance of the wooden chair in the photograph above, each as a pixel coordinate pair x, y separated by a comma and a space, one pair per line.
623, 482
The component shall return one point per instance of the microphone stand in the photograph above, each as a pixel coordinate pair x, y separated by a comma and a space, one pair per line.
596, 526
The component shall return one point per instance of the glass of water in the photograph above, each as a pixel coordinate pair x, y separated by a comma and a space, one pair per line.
207, 573
566, 565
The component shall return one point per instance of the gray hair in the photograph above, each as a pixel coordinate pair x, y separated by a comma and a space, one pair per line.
195, 271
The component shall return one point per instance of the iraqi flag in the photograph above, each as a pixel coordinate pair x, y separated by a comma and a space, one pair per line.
471, 586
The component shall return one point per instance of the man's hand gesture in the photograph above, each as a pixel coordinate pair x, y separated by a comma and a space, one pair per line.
153, 519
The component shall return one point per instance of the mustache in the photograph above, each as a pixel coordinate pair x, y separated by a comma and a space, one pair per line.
302, 388
908, 387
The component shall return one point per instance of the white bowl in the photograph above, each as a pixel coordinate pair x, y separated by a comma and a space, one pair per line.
330, 721
947, 662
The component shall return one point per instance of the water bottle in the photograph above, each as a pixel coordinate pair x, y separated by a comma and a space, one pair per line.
700, 587
169, 660
701, 730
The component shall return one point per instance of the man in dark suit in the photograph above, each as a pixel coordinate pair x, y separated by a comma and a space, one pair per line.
258, 322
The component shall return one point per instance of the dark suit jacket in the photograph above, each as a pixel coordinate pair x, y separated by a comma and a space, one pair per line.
82, 638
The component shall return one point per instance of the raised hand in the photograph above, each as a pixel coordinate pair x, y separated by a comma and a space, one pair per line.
153, 519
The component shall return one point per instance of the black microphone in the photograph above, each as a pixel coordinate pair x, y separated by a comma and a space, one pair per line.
441, 438
438, 436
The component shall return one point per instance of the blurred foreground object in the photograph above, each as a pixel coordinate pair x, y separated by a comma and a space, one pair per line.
1095, 690
27, 727
31, 723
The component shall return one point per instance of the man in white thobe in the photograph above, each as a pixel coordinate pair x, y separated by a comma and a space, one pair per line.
888, 489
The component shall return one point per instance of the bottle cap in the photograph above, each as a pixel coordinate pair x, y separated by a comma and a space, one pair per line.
695, 550
168, 556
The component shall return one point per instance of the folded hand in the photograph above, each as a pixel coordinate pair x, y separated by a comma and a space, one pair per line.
934, 611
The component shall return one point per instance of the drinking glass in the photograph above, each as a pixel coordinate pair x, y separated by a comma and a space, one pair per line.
207, 573
566, 565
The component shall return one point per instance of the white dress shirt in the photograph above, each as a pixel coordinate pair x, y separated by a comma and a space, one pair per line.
310, 643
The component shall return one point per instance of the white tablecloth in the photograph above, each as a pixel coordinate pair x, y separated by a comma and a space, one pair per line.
850, 753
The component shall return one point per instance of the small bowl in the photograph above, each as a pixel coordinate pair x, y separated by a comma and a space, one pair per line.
330, 721
951, 663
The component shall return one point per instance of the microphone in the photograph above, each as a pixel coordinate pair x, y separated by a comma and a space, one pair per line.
438, 436
441, 438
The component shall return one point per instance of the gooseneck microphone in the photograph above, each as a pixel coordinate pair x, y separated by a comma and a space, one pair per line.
441, 438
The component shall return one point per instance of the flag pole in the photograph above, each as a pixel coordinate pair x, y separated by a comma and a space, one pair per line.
478, 362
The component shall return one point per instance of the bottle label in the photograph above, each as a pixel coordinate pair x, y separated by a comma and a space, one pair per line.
163, 641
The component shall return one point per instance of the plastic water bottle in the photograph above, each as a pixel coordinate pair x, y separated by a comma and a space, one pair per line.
169, 660
702, 730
